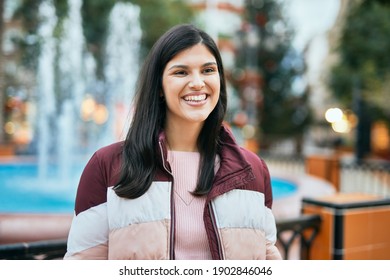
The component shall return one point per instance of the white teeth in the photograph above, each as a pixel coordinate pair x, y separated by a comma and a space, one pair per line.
195, 97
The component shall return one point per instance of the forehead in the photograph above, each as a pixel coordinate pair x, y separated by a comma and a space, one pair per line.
198, 53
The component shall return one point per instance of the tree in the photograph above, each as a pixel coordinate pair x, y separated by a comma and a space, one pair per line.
282, 112
361, 78
157, 16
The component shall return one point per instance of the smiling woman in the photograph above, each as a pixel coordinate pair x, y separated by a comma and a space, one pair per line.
179, 186
191, 89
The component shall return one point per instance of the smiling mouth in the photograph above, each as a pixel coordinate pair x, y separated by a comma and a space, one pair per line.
195, 98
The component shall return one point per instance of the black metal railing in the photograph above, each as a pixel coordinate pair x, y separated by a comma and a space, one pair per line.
39, 250
300, 231
303, 228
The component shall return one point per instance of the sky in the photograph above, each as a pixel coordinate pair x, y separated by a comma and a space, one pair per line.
311, 18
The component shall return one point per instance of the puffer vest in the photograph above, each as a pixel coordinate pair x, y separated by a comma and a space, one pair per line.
237, 214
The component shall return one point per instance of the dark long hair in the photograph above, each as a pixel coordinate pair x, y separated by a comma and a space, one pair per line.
140, 151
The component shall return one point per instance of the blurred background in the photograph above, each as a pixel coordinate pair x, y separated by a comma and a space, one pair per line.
308, 84
304, 76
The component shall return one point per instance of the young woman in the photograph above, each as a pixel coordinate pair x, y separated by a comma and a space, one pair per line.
179, 186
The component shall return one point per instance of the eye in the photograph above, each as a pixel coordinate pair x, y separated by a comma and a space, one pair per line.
210, 70
180, 73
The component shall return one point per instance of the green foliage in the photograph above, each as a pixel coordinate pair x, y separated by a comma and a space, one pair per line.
158, 16
27, 13
283, 113
95, 15
364, 58
61, 8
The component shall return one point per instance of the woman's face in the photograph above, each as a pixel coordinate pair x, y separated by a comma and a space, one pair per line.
191, 86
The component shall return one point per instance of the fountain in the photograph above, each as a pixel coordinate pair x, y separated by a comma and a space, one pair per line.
65, 79
72, 89
122, 64
45, 80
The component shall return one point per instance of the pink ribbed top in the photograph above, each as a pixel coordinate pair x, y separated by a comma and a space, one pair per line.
190, 237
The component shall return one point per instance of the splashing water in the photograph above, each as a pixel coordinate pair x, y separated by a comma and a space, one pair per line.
65, 72
122, 64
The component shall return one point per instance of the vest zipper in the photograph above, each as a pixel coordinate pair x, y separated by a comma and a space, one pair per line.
172, 231
212, 215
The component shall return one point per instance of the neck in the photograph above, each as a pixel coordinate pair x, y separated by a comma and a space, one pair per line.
183, 138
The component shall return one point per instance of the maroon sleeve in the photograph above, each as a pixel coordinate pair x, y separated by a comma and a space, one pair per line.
262, 175
100, 173
267, 185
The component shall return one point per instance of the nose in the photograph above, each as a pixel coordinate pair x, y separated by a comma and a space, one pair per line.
196, 82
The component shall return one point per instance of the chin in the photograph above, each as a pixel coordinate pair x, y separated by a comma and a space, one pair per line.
198, 119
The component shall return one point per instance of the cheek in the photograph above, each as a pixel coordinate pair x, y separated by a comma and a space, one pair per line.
171, 87
216, 85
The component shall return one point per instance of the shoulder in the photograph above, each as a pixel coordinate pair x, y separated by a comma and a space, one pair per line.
101, 172
109, 160
261, 172
253, 158
258, 164
110, 151
250, 156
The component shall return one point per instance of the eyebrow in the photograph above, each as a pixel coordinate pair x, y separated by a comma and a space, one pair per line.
186, 67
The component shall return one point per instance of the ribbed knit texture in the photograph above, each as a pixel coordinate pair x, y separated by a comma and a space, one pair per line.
190, 239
